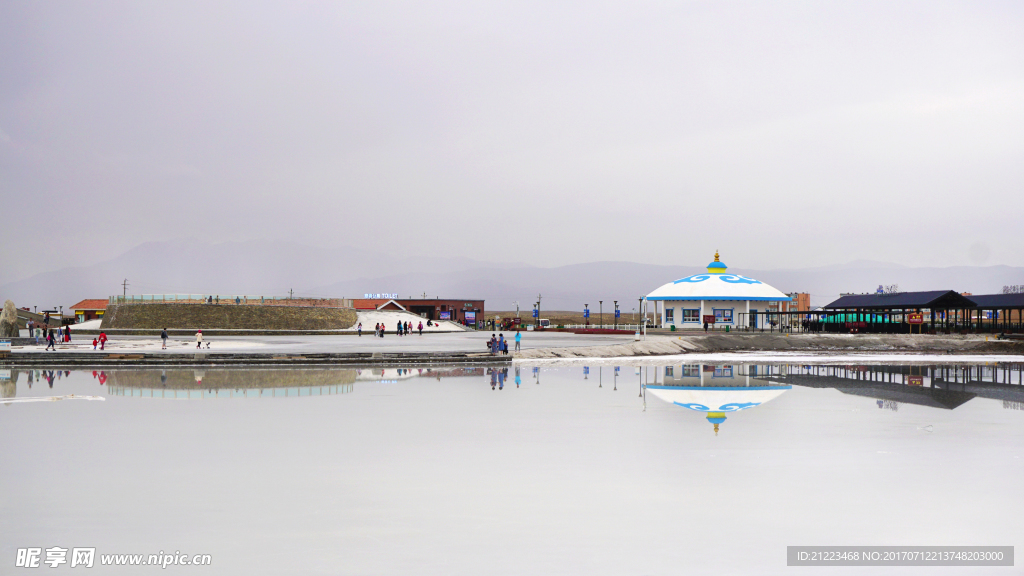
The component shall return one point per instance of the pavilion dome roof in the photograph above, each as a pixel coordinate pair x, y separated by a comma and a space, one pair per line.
717, 284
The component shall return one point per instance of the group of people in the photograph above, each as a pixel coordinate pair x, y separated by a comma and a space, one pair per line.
499, 375
61, 334
403, 329
499, 345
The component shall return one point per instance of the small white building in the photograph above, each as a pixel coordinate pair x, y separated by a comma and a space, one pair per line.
718, 297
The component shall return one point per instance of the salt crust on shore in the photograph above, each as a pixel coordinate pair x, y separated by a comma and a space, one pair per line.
776, 357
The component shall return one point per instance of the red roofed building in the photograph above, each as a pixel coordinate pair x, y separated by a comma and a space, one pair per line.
89, 309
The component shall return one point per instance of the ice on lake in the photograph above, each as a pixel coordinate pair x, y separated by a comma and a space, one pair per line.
540, 470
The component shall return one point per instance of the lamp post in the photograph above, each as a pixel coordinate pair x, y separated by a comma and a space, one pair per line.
586, 315
600, 313
616, 314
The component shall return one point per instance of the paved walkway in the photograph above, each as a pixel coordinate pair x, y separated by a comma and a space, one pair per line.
450, 342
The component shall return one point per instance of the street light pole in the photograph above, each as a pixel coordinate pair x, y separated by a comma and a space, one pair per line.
616, 314
600, 312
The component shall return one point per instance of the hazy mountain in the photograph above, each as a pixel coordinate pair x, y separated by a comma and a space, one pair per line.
191, 267
569, 287
273, 268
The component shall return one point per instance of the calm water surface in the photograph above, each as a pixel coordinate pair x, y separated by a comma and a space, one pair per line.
654, 469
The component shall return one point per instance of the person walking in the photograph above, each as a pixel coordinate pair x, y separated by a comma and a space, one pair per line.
519, 339
359, 329
705, 326
103, 340
163, 336
199, 338
52, 341
39, 333
60, 333
399, 328
501, 342
421, 328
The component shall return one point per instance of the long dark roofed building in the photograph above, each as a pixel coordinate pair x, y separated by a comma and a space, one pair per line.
888, 312
934, 300
999, 312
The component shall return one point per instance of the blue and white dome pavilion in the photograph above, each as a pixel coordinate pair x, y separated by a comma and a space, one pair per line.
716, 293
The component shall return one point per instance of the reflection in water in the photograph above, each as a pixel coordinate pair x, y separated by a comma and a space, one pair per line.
714, 390
719, 389
936, 386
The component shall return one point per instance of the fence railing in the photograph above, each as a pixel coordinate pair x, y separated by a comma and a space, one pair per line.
229, 299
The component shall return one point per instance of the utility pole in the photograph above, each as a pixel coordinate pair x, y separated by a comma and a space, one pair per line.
125, 286
538, 309
616, 314
600, 313
290, 293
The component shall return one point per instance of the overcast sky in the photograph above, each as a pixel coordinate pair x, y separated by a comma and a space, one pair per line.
784, 134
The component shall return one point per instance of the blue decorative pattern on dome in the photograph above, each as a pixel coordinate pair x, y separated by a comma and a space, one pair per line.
737, 279
730, 278
693, 279
734, 406
730, 407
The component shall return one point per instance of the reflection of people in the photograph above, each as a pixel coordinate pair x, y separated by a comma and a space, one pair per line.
518, 379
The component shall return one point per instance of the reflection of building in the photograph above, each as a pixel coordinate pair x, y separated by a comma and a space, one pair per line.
228, 382
715, 389
717, 297
942, 386
392, 375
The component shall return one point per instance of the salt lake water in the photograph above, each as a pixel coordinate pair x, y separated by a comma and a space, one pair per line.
543, 469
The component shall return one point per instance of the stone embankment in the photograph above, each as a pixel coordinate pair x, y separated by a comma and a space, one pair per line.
61, 360
190, 317
807, 343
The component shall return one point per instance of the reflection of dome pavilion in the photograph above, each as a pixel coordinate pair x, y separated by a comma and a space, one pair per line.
718, 393
685, 302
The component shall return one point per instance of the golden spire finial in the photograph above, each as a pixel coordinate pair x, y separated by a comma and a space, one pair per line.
716, 429
716, 255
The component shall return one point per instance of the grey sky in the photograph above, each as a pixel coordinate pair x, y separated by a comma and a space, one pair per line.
784, 134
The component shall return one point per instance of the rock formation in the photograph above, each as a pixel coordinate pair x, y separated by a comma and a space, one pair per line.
9, 321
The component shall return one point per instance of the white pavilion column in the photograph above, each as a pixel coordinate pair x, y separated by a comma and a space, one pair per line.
747, 316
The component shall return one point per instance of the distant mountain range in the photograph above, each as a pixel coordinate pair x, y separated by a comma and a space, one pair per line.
264, 268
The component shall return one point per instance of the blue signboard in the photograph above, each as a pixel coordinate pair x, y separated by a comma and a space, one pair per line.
586, 313
617, 313
535, 313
